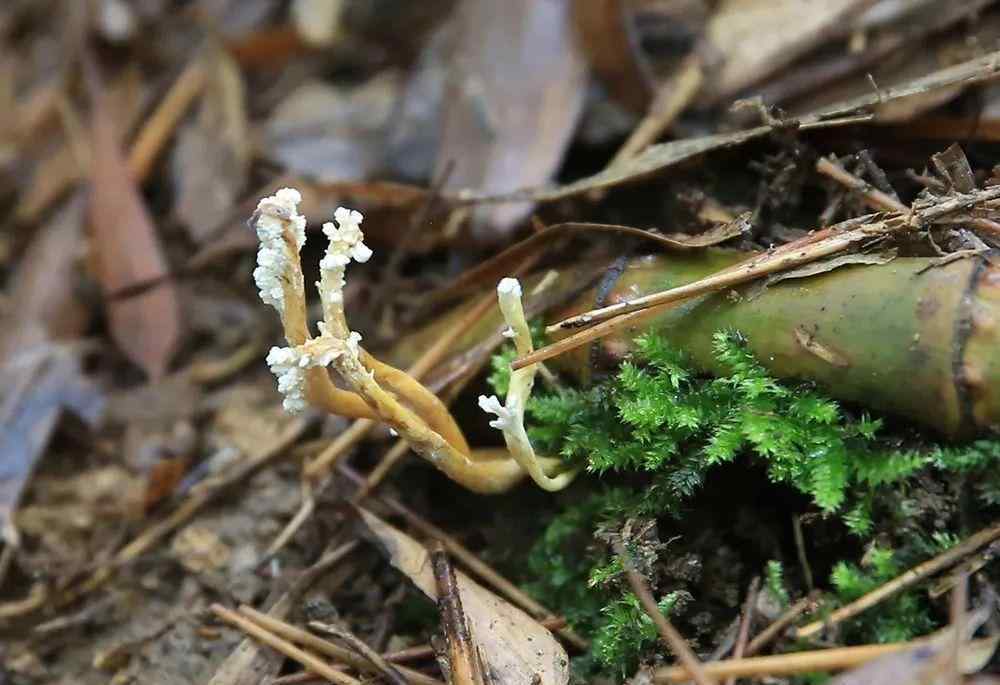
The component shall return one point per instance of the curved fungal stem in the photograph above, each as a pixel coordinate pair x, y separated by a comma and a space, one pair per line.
408, 407
510, 415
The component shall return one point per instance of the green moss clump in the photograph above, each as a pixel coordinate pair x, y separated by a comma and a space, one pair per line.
654, 431
658, 416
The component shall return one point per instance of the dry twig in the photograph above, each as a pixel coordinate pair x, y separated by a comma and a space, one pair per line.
307, 660
464, 663
907, 579
389, 671
342, 654
791, 664
470, 561
671, 638
778, 626
748, 610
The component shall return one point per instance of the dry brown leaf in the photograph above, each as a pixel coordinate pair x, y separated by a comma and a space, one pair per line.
43, 286
920, 665
894, 50
212, 156
512, 104
609, 38
199, 549
885, 105
755, 38
146, 325
333, 133
903, 101
318, 22
516, 649
653, 159
39, 384
822, 266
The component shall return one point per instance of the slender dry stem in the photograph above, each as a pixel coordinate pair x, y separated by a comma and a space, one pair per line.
258, 632
907, 579
466, 666
790, 664
780, 624
671, 638
347, 656
747, 618
470, 561
390, 672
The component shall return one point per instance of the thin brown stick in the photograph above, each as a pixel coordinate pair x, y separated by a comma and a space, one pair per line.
671, 638
634, 318
959, 601
390, 672
288, 532
744, 634
157, 130
466, 667
470, 561
354, 434
800, 550
873, 197
307, 660
426, 651
414, 653
791, 664
781, 623
774, 261
382, 470
761, 265
342, 654
606, 320
672, 97
907, 579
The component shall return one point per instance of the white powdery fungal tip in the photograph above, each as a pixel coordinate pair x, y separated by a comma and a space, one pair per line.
508, 333
509, 286
491, 405
274, 214
346, 240
285, 364
290, 364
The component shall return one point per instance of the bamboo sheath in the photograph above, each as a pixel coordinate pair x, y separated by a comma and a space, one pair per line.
913, 338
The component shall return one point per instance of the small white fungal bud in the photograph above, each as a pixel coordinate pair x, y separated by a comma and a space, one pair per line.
509, 299
509, 287
506, 417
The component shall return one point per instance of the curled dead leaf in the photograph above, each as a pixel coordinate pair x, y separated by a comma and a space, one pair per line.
515, 648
